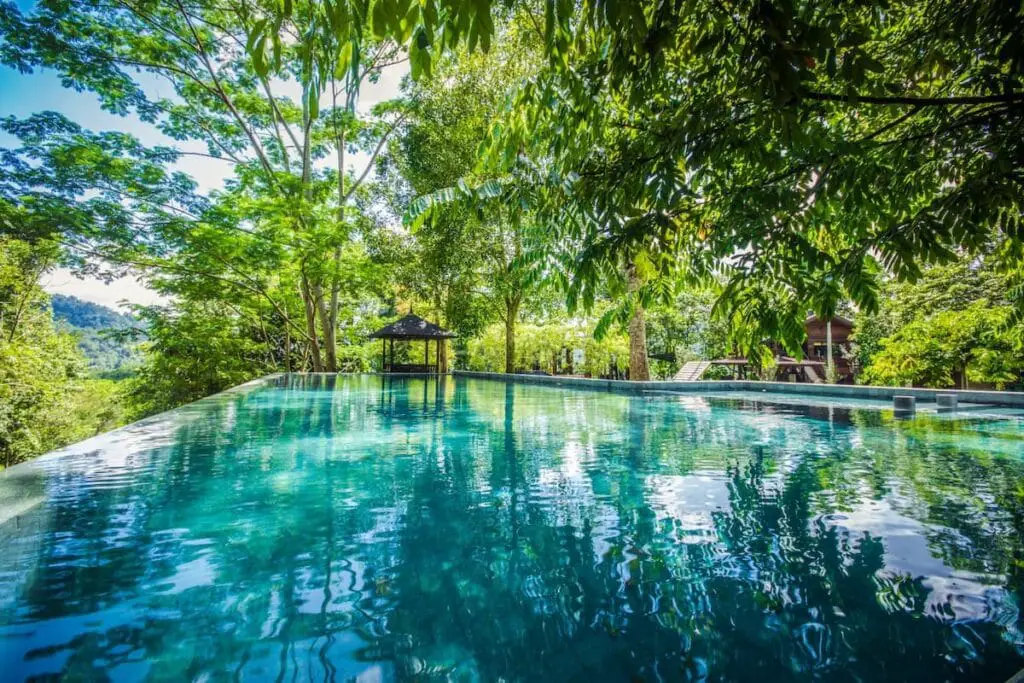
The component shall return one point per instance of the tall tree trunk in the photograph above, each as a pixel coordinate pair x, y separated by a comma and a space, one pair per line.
330, 315
314, 346
287, 345
830, 367
312, 293
511, 314
335, 291
330, 346
638, 369
442, 344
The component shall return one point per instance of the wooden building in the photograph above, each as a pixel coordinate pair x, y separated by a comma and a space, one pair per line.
813, 367
816, 346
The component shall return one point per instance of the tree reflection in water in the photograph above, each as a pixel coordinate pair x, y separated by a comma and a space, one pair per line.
382, 528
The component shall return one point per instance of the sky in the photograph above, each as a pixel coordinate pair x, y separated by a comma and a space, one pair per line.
25, 94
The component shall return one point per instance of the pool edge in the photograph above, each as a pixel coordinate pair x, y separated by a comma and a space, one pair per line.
79, 446
1010, 399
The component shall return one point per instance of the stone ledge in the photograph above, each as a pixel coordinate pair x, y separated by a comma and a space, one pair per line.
994, 398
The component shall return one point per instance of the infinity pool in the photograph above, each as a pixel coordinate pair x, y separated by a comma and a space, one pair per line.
372, 529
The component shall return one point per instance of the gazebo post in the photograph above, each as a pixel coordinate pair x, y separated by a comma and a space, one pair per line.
437, 356
383, 354
426, 354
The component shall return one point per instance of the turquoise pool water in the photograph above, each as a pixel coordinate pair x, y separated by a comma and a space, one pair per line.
372, 529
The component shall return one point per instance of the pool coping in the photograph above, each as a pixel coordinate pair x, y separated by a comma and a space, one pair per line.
1013, 399
77, 447
19, 506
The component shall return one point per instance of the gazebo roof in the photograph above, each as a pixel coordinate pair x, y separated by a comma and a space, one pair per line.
411, 327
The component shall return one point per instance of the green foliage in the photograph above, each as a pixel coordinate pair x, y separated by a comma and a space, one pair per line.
795, 150
46, 401
543, 347
471, 264
930, 350
100, 404
951, 287
956, 317
276, 243
35, 399
686, 329
194, 350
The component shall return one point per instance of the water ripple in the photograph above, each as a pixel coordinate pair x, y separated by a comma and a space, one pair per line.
401, 529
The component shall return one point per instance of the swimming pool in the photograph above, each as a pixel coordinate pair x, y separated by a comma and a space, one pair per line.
370, 528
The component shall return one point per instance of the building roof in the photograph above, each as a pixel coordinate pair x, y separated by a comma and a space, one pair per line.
835, 319
411, 327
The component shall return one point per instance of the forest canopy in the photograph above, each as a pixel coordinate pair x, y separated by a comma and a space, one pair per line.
645, 183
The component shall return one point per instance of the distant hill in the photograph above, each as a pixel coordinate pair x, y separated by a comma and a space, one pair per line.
85, 314
93, 324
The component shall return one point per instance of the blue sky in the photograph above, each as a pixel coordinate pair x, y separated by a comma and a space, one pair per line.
25, 94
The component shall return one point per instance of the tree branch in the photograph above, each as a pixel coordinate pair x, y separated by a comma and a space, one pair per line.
373, 157
966, 100
277, 113
223, 96
175, 268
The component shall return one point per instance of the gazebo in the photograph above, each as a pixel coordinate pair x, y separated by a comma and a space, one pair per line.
411, 328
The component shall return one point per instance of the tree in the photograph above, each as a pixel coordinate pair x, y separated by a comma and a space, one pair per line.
949, 349
195, 350
833, 143
46, 401
223, 61
549, 347
686, 330
483, 247
956, 323
952, 287
794, 150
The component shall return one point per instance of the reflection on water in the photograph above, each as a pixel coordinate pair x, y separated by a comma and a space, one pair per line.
396, 529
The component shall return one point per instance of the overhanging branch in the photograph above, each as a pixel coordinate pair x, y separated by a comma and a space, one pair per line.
965, 100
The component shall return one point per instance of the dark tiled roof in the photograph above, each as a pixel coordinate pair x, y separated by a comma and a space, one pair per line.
411, 327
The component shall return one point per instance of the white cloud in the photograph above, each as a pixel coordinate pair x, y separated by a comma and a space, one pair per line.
386, 88
125, 290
